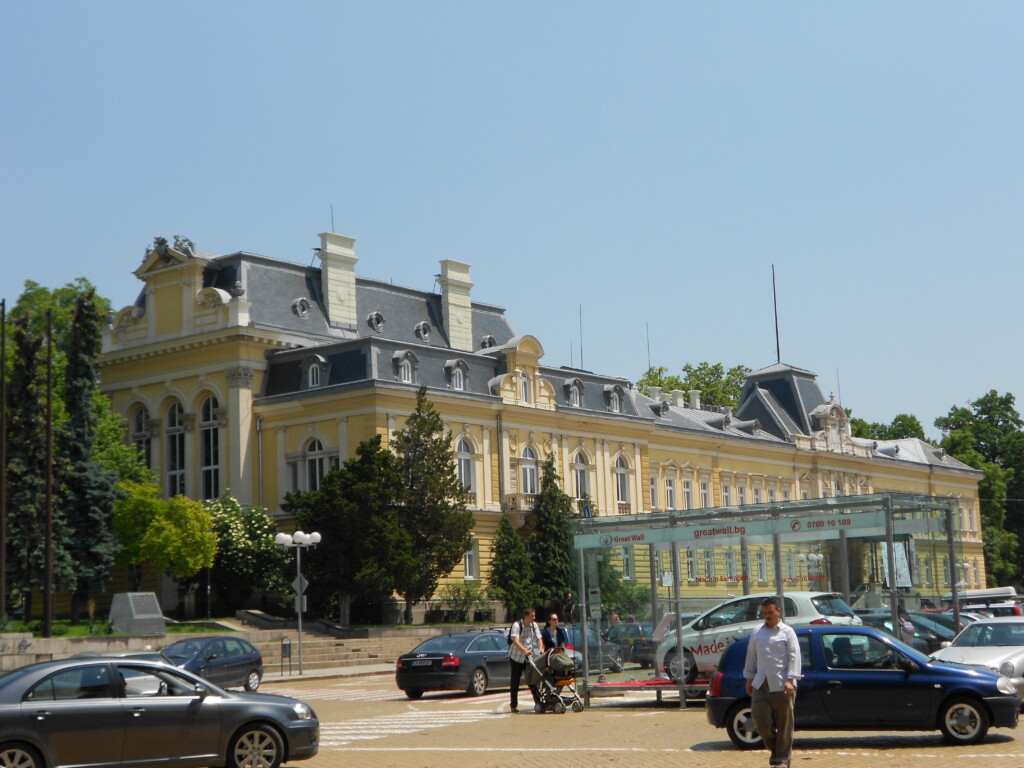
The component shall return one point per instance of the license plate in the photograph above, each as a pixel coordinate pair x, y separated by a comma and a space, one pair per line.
421, 662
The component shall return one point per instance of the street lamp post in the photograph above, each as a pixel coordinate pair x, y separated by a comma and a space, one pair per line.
299, 541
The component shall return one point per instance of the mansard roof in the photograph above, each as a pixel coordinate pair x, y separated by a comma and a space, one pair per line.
782, 398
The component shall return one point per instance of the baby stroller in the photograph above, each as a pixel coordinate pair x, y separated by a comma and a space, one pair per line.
552, 673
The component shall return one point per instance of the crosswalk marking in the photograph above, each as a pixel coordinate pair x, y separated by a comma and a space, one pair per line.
344, 693
340, 734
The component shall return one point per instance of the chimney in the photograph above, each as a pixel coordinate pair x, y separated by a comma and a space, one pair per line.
338, 278
456, 308
678, 398
695, 399
654, 393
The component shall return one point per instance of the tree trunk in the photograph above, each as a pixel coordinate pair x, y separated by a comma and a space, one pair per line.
408, 612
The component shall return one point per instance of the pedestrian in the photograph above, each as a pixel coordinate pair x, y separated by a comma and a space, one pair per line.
772, 668
569, 608
526, 643
553, 635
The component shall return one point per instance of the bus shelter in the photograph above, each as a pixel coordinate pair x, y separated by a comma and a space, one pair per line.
870, 549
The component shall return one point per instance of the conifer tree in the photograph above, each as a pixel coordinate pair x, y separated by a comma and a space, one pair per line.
551, 544
511, 578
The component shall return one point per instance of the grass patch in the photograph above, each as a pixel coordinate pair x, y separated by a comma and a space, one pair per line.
64, 628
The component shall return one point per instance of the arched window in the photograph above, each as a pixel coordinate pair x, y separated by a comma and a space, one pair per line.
314, 376
524, 388
575, 396
315, 462
615, 401
464, 464
529, 470
175, 450
209, 448
405, 371
621, 481
141, 437
458, 379
579, 471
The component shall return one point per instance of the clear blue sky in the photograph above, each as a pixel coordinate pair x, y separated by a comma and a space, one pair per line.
646, 162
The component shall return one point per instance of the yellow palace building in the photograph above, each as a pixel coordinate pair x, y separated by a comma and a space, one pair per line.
256, 376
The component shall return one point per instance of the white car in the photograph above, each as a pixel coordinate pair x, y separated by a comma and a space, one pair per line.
996, 644
705, 637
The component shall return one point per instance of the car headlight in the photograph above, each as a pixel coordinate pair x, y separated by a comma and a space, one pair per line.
303, 712
1007, 669
1003, 685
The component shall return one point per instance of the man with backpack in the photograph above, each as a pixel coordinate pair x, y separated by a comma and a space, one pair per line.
524, 643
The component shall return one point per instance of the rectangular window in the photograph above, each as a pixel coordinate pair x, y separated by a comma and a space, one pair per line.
742, 493
687, 494
176, 463
691, 564
945, 571
709, 565
785, 495
471, 562
790, 566
926, 571
670, 493
762, 566
628, 572
705, 496
726, 496
209, 470
771, 495
654, 493
757, 495
730, 564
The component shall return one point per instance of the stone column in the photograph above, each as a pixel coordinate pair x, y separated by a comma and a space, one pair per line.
239, 434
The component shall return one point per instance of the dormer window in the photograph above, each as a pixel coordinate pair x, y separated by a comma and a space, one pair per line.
423, 331
614, 394
405, 366
575, 397
456, 372
488, 341
314, 371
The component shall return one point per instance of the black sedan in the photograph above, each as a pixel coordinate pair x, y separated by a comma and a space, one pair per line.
132, 712
221, 659
469, 661
602, 654
636, 639
860, 678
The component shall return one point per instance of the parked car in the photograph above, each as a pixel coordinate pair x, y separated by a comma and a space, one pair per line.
862, 678
603, 654
705, 637
221, 659
133, 712
636, 639
466, 661
996, 644
926, 637
945, 618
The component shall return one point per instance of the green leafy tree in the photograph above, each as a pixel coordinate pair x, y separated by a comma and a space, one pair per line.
112, 449
248, 560
903, 425
431, 504
717, 385
166, 534
988, 436
364, 542
551, 543
88, 492
511, 578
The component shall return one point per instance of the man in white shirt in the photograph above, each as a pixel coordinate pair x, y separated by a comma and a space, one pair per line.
526, 643
772, 668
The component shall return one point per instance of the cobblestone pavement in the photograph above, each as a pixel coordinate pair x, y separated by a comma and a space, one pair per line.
367, 723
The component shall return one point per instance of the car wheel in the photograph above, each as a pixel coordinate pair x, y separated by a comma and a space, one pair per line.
20, 756
477, 683
252, 682
256, 746
963, 721
739, 724
414, 693
688, 672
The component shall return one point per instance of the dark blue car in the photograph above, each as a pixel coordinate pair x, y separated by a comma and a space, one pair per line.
861, 678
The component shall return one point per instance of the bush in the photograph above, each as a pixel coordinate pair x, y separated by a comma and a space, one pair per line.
461, 598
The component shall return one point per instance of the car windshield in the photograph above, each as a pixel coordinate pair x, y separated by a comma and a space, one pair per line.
984, 634
183, 649
831, 605
443, 644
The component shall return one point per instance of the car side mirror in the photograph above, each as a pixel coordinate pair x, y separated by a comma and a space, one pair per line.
945, 644
201, 691
909, 666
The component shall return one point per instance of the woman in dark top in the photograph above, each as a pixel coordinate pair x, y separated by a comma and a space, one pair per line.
553, 635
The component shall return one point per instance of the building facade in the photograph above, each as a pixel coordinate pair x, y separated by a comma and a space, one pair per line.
255, 376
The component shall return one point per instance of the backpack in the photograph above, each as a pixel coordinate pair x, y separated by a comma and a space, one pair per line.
508, 635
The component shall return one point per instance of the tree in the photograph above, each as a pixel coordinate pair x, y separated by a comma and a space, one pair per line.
27, 472
988, 436
717, 385
431, 504
89, 492
168, 534
903, 425
248, 559
112, 449
551, 543
511, 578
364, 542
